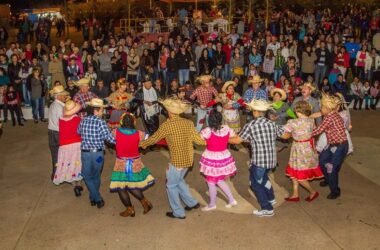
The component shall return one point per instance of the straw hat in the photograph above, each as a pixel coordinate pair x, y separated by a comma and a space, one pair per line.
256, 79
330, 102
175, 106
342, 100
259, 105
309, 85
204, 78
279, 91
58, 90
120, 82
96, 102
83, 81
71, 108
227, 84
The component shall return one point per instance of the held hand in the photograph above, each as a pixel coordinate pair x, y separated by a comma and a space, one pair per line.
203, 106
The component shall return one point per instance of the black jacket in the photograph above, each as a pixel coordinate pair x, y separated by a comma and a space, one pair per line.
183, 60
13, 71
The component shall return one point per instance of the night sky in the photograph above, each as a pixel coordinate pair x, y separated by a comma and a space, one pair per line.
26, 4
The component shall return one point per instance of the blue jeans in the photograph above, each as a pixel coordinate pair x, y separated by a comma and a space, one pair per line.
92, 165
227, 72
219, 73
170, 76
261, 186
177, 188
184, 75
202, 118
38, 108
319, 73
277, 74
25, 94
331, 162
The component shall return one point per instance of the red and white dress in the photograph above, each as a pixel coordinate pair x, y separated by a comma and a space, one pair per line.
216, 162
303, 160
69, 165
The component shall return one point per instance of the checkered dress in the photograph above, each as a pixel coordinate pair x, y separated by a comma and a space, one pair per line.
180, 135
261, 133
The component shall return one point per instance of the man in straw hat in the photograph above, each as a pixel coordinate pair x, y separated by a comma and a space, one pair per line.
332, 157
261, 133
55, 112
180, 135
254, 93
307, 89
94, 131
205, 94
84, 95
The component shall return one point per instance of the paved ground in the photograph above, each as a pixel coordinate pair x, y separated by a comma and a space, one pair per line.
36, 214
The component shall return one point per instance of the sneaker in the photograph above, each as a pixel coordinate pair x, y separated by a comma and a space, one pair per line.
273, 202
262, 213
232, 204
207, 208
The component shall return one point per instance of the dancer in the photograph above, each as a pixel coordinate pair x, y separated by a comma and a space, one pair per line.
69, 165
129, 174
303, 162
119, 101
204, 94
180, 135
217, 163
332, 157
84, 95
94, 132
261, 133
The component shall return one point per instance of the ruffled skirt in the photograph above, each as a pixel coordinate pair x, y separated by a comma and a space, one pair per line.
217, 166
69, 165
304, 174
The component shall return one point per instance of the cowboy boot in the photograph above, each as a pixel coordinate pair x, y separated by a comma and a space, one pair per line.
129, 211
146, 205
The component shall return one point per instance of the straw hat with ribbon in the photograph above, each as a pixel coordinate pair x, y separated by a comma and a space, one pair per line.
96, 103
83, 82
71, 108
227, 84
58, 90
259, 105
309, 85
175, 106
330, 102
281, 92
256, 79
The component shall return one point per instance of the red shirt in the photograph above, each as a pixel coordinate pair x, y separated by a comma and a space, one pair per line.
204, 95
127, 145
227, 49
333, 126
68, 131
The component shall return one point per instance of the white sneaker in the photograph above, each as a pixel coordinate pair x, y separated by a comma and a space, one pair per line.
262, 213
232, 204
207, 208
273, 202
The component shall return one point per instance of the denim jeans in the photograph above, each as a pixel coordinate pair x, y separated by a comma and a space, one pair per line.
277, 74
92, 165
38, 108
184, 75
319, 73
261, 186
25, 94
227, 72
331, 160
177, 188
170, 76
219, 73
202, 117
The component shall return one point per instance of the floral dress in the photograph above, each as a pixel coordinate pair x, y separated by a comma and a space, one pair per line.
303, 161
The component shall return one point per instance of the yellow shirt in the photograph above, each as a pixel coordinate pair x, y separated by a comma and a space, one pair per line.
180, 134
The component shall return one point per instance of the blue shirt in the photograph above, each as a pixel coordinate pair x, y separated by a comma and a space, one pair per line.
94, 132
352, 49
251, 94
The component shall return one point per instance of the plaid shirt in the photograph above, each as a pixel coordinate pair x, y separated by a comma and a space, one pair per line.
82, 98
333, 126
262, 133
180, 135
204, 95
251, 94
94, 131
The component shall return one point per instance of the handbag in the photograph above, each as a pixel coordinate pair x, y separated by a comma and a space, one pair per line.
238, 71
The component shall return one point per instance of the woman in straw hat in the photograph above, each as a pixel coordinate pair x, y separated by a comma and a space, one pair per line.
281, 110
129, 174
331, 158
303, 162
119, 101
69, 165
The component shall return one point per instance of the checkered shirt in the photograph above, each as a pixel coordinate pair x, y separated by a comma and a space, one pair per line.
204, 95
82, 98
94, 132
180, 134
251, 94
333, 126
262, 133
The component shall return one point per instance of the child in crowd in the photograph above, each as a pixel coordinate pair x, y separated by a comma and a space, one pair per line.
71, 88
12, 100
375, 94
252, 70
92, 75
217, 163
73, 70
367, 94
